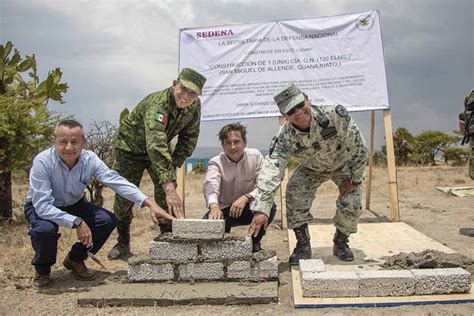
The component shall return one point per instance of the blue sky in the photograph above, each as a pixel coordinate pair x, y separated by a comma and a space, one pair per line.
114, 53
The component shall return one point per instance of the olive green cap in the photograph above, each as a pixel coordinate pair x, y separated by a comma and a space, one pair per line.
192, 79
288, 98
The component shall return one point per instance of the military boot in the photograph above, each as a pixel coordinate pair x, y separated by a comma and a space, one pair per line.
303, 245
341, 248
121, 250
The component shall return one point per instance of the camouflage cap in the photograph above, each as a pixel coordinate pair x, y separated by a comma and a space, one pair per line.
192, 79
470, 98
288, 98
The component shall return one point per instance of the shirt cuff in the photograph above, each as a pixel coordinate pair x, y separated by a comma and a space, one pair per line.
69, 220
212, 199
260, 206
167, 176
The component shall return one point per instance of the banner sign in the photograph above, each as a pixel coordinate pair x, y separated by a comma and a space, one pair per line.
335, 59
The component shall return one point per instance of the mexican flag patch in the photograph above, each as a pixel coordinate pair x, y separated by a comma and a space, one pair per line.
160, 118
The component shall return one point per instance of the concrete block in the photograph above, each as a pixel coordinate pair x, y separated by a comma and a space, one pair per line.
331, 284
247, 270
231, 249
201, 271
164, 250
441, 281
310, 266
198, 229
386, 283
150, 272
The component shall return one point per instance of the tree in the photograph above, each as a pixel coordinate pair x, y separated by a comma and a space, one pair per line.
429, 143
459, 156
100, 140
26, 124
403, 142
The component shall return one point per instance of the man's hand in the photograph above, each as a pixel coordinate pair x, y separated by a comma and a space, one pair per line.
175, 206
215, 212
462, 126
238, 206
156, 212
347, 186
259, 220
84, 234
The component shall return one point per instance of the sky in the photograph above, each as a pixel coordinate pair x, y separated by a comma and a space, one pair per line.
114, 53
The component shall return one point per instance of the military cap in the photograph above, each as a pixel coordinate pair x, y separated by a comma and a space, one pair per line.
192, 79
288, 98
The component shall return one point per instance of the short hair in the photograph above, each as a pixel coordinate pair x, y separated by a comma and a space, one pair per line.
69, 123
232, 127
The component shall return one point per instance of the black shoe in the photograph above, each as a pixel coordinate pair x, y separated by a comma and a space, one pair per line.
341, 248
303, 245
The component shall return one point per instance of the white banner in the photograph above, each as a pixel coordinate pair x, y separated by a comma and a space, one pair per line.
335, 59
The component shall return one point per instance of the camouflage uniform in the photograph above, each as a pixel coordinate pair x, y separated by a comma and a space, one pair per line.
340, 156
143, 142
469, 100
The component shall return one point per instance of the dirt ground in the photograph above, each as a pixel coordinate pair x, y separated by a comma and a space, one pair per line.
433, 213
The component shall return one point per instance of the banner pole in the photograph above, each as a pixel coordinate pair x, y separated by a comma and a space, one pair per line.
392, 171
371, 160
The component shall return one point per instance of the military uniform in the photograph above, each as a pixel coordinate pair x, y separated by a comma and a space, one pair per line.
341, 155
143, 141
469, 106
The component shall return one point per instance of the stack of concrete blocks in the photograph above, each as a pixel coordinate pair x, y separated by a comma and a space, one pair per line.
317, 282
198, 251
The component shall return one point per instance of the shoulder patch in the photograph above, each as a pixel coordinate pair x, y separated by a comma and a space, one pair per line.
341, 110
160, 117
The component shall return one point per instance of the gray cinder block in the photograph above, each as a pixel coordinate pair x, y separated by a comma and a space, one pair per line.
164, 250
200, 229
386, 283
310, 266
247, 270
201, 271
227, 249
441, 281
330, 284
150, 272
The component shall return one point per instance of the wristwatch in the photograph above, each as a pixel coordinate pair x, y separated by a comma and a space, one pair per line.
77, 221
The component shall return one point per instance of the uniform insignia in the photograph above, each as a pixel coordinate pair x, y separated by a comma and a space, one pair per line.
341, 110
160, 118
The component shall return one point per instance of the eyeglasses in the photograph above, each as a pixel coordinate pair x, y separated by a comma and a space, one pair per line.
293, 110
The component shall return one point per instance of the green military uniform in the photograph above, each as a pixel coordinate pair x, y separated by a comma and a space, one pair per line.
469, 106
340, 156
143, 141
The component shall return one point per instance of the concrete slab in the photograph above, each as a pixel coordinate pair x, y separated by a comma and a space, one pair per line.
164, 250
164, 294
201, 271
238, 248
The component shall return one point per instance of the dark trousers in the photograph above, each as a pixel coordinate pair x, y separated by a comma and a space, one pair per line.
44, 233
244, 219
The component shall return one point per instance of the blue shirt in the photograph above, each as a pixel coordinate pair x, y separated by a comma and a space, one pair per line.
53, 185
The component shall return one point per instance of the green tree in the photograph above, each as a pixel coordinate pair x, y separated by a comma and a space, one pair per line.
26, 124
457, 155
429, 143
402, 143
